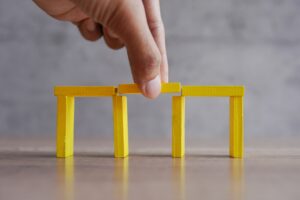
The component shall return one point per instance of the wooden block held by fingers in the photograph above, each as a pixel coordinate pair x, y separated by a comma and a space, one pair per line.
133, 88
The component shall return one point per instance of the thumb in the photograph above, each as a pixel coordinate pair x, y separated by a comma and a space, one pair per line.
127, 19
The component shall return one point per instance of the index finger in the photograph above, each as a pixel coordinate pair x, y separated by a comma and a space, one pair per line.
156, 26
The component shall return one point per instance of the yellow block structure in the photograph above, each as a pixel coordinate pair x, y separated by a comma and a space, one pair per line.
235, 93
65, 114
133, 88
120, 126
178, 126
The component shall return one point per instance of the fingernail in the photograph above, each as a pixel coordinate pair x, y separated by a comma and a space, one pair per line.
152, 88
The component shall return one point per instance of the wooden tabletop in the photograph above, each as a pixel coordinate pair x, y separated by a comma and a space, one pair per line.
29, 170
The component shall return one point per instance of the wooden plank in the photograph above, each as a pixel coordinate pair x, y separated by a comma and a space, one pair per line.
65, 126
120, 118
84, 91
133, 88
178, 126
236, 145
213, 91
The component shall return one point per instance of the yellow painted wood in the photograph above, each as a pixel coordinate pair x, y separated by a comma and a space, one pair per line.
65, 114
133, 88
213, 91
65, 126
128, 89
84, 91
170, 87
120, 119
178, 126
236, 145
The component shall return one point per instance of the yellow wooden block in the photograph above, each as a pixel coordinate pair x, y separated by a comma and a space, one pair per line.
213, 91
236, 142
178, 126
120, 126
133, 88
65, 126
84, 91
170, 87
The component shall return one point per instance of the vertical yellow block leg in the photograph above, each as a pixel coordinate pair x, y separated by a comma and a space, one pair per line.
120, 126
236, 146
178, 126
65, 126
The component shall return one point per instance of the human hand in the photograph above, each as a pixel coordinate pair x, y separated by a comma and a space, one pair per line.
135, 24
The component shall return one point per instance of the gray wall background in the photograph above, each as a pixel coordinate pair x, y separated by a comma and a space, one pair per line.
250, 42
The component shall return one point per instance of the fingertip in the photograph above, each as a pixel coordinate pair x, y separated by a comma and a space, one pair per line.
152, 88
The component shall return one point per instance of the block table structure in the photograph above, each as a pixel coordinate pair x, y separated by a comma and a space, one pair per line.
65, 117
236, 118
65, 114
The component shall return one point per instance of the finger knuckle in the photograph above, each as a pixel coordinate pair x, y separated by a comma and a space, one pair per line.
156, 26
151, 66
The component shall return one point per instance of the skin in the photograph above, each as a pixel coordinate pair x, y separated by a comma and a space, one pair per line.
133, 24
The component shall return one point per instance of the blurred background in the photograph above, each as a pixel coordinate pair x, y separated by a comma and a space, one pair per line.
209, 42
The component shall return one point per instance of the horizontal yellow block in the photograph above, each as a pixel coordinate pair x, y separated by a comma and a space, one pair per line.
84, 91
213, 91
133, 88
